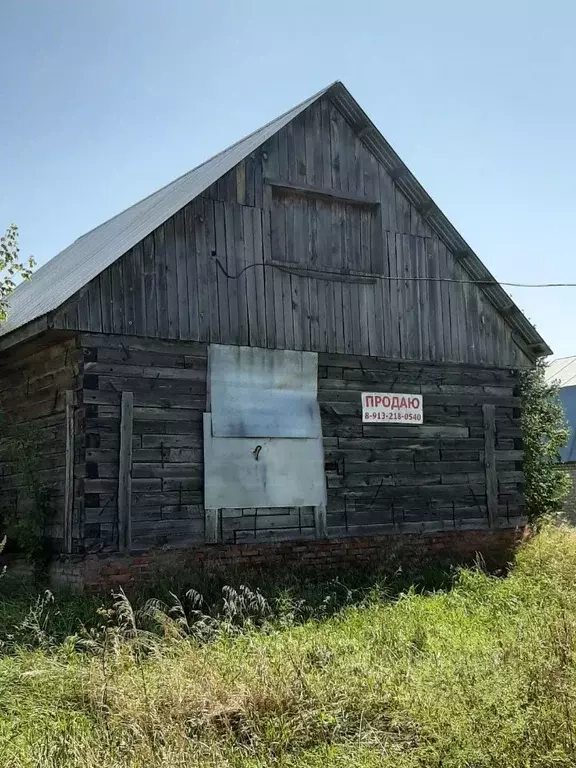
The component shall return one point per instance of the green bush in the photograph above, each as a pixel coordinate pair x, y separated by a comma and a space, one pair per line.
544, 432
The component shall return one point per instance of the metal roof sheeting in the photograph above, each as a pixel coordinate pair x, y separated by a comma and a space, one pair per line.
73, 268
562, 371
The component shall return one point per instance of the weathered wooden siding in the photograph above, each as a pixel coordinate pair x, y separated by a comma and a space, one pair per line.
323, 249
412, 478
33, 386
379, 478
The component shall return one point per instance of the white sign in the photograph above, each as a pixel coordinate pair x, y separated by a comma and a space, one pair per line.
391, 408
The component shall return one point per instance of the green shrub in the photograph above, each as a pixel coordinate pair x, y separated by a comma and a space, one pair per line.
544, 433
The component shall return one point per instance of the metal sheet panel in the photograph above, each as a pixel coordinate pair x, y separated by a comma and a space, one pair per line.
264, 472
263, 392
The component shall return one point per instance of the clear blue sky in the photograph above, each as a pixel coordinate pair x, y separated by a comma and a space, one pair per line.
104, 101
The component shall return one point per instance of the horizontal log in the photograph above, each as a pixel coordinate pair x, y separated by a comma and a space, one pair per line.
182, 511
146, 372
165, 498
142, 344
180, 469
371, 430
183, 484
173, 441
168, 359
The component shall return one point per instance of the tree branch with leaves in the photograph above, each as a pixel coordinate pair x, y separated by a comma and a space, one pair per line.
11, 267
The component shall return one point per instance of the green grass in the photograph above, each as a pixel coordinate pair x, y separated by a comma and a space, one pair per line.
478, 675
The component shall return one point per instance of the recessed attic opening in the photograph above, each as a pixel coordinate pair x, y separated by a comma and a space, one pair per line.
322, 228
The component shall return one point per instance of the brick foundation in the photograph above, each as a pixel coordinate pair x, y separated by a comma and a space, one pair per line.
98, 572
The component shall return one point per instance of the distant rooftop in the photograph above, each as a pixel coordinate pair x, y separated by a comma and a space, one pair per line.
563, 370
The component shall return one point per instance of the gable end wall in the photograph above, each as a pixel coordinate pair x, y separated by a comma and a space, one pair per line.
170, 285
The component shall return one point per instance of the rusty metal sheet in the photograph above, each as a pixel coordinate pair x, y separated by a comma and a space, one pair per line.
258, 392
262, 472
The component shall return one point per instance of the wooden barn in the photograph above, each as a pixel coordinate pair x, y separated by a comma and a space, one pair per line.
288, 353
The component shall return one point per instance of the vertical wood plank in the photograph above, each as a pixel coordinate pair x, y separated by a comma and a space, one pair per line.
211, 269
292, 167
128, 292
249, 166
446, 328
94, 304
150, 288
105, 301
199, 253
69, 472
300, 148
489, 416
320, 521
326, 150
313, 146
282, 154
223, 305
313, 340
258, 180
191, 281
125, 472
171, 279
416, 299
278, 243
241, 183
335, 147
423, 298
161, 284
182, 276
401, 295
435, 310
139, 300
240, 262
271, 333
211, 526
231, 283
251, 276
259, 277
391, 296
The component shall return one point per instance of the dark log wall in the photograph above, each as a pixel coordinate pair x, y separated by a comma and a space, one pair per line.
380, 478
335, 234
431, 477
33, 386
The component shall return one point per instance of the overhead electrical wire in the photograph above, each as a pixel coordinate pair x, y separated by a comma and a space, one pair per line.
297, 270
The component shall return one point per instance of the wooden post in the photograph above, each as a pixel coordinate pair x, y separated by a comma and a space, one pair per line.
489, 414
69, 472
320, 521
125, 473
211, 526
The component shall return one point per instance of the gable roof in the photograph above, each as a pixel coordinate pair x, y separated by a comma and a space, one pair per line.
64, 275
